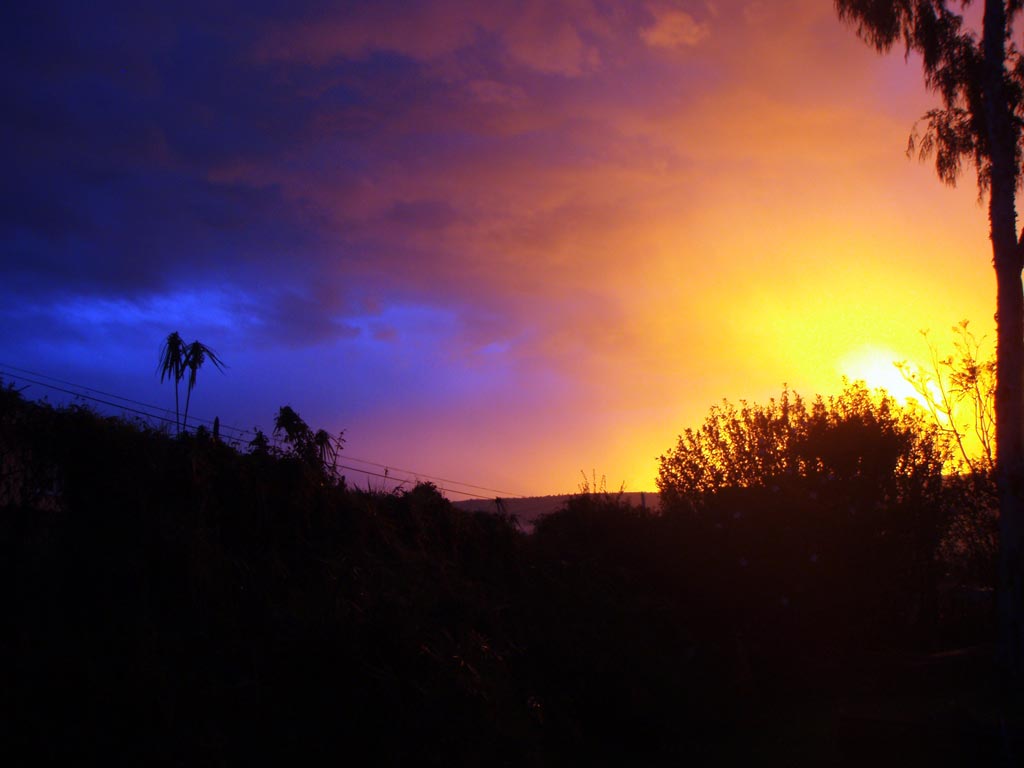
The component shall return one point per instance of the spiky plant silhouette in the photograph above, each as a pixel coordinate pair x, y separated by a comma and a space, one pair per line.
196, 354
327, 447
176, 357
318, 449
172, 366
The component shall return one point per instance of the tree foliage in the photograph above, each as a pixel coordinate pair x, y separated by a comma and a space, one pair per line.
196, 354
958, 390
172, 367
980, 80
181, 602
834, 506
318, 449
177, 358
856, 436
953, 60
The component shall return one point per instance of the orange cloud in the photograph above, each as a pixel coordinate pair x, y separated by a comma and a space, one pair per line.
673, 28
616, 236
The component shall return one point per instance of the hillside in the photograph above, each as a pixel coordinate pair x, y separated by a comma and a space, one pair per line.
527, 509
171, 601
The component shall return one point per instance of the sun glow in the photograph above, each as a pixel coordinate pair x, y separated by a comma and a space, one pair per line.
876, 367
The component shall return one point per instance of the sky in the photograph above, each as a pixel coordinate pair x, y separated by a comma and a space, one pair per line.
500, 243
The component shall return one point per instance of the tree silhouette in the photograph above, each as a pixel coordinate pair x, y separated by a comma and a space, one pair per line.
327, 448
964, 380
296, 432
176, 357
196, 354
981, 86
317, 449
172, 366
865, 441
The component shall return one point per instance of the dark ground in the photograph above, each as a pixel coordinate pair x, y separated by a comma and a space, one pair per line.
175, 602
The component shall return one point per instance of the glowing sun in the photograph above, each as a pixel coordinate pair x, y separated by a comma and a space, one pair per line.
875, 366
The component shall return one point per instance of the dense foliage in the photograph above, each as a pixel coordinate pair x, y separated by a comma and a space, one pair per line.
977, 73
839, 505
172, 601
857, 438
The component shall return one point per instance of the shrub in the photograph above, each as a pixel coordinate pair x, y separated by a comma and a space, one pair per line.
832, 509
864, 439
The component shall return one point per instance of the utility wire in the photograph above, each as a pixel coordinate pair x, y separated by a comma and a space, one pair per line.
152, 412
39, 375
94, 399
20, 375
432, 477
403, 480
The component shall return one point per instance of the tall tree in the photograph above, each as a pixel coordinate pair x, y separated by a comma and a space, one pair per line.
176, 357
979, 81
196, 354
172, 366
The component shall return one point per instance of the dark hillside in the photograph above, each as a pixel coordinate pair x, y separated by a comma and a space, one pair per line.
176, 602
171, 601
527, 510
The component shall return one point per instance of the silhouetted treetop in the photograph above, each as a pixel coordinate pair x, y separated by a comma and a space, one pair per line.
979, 79
319, 449
953, 61
856, 435
177, 357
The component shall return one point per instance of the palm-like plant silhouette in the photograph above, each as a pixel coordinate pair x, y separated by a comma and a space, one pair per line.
172, 366
318, 449
176, 357
327, 447
196, 354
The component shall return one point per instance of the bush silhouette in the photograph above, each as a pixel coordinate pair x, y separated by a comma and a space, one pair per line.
860, 438
175, 601
832, 509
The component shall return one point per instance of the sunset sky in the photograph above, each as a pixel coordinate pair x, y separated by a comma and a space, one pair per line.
498, 242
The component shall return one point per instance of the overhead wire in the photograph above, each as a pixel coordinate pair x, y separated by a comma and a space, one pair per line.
151, 411
403, 481
39, 375
20, 374
432, 477
94, 399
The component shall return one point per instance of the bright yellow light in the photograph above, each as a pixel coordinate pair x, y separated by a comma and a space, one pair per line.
875, 366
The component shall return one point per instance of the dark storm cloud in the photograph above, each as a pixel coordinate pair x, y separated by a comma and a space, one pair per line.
422, 214
500, 234
146, 231
121, 133
346, 154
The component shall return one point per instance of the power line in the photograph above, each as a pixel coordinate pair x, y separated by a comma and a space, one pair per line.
94, 399
37, 374
403, 480
431, 477
152, 412
20, 375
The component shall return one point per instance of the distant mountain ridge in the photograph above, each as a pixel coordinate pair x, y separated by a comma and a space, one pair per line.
527, 509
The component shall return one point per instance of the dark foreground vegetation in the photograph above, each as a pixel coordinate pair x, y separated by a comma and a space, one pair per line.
174, 601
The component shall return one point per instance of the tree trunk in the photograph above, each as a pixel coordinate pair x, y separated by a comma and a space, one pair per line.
184, 418
1009, 469
1006, 258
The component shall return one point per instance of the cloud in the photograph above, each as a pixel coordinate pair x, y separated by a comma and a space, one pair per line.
487, 211
484, 157
422, 214
673, 28
352, 159
419, 30
494, 92
544, 37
